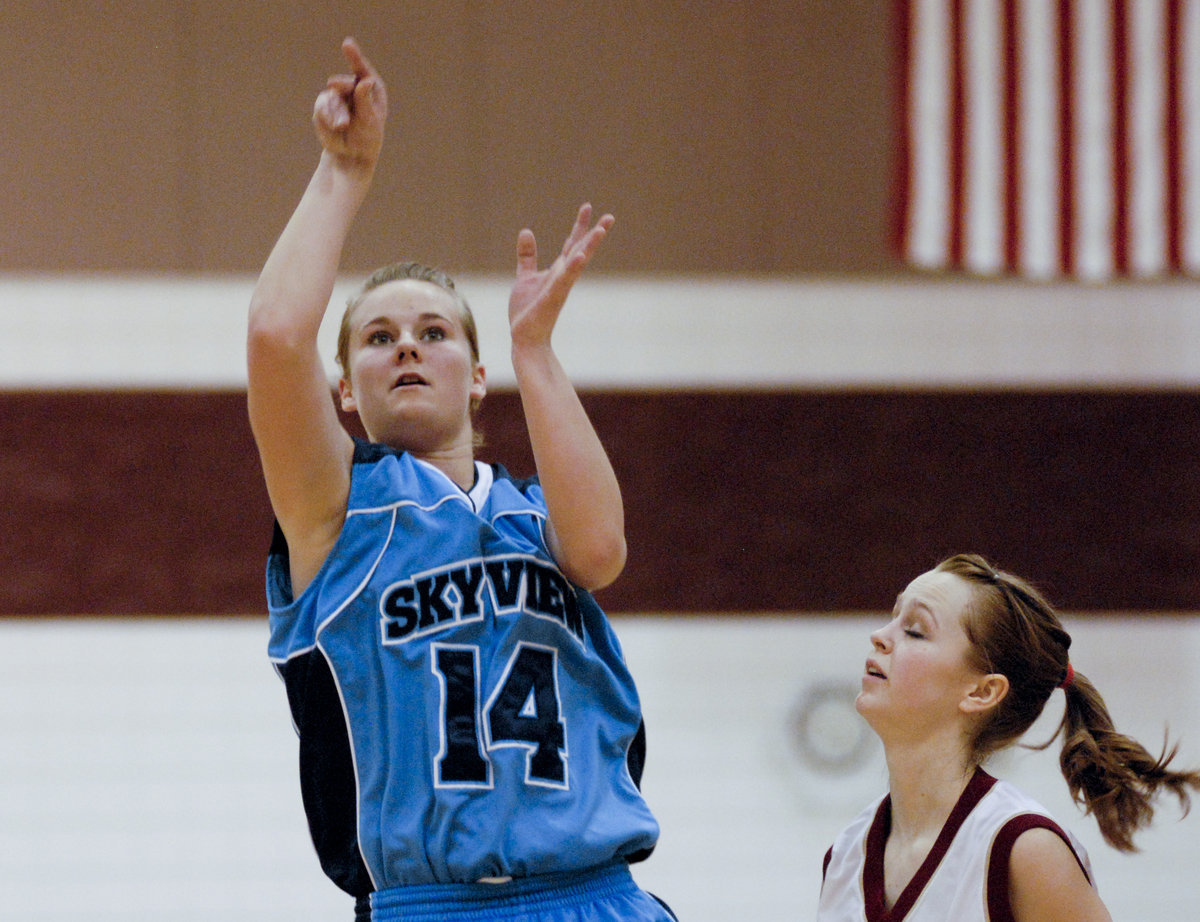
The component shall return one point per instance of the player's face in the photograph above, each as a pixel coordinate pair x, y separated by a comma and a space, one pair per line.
411, 373
918, 673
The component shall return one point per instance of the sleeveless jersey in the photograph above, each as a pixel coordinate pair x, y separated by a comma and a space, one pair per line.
464, 711
965, 878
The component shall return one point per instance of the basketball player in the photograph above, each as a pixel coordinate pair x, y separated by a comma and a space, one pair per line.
962, 670
471, 741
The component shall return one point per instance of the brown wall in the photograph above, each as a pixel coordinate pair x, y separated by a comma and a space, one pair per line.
174, 136
735, 501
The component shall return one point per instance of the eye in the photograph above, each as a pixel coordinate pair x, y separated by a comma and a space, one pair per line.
379, 338
434, 334
915, 631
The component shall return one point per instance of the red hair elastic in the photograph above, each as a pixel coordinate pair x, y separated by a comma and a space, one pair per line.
1068, 678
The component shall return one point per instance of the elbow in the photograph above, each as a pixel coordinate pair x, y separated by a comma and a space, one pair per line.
599, 565
268, 321
266, 350
273, 333
264, 330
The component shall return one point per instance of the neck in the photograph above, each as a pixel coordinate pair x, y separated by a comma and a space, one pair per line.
925, 783
454, 456
457, 464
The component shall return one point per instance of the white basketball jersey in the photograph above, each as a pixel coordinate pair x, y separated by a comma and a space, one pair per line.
965, 877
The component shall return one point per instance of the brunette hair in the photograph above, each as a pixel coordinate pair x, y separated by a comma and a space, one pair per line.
1015, 632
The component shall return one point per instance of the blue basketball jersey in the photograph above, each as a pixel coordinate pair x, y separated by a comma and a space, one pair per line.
464, 711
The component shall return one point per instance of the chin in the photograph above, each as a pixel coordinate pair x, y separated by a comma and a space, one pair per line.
867, 709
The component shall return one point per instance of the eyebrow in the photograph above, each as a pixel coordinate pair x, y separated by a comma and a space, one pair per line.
928, 612
424, 315
918, 604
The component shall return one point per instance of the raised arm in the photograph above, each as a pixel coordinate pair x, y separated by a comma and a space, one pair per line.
586, 529
305, 452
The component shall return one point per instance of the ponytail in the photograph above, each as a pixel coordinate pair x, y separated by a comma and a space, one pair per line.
1015, 632
1113, 777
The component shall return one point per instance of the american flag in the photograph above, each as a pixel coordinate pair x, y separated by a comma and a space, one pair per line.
1050, 138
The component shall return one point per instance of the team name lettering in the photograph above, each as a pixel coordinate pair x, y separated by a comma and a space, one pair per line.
439, 599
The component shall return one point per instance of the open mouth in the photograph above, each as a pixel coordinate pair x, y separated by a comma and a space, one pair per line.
410, 380
874, 670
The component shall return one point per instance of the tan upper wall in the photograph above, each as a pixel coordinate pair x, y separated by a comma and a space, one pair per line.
727, 137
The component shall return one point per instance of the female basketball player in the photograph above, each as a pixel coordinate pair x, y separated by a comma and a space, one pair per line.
471, 741
963, 669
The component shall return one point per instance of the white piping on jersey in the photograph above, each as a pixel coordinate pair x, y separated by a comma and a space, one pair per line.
333, 674
475, 498
360, 587
532, 513
387, 542
392, 507
354, 761
480, 489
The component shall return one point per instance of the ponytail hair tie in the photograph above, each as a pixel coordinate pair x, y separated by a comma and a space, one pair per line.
1068, 678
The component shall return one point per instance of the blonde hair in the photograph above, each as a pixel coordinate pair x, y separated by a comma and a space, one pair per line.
396, 272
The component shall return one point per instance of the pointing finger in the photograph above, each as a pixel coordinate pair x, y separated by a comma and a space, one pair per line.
358, 61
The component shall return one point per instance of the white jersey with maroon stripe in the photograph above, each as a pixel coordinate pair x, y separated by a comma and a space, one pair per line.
963, 879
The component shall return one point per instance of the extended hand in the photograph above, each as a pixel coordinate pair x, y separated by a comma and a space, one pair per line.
538, 296
350, 112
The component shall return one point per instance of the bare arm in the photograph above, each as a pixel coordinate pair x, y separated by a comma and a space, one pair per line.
304, 450
586, 529
1047, 884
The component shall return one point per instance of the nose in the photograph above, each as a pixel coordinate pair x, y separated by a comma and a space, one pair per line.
880, 640
406, 344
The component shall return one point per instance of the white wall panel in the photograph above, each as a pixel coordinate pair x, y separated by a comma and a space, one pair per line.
694, 332
148, 767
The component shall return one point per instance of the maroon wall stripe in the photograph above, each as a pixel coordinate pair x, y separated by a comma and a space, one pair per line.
902, 129
1121, 153
1066, 132
958, 130
152, 503
1171, 133
1012, 137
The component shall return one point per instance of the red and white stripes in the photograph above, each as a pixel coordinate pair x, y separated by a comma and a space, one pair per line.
1050, 138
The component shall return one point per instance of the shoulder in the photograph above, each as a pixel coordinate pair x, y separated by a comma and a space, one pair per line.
1046, 878
849, 844
508, 494
381, 474
373, 452
500, 474
846, 879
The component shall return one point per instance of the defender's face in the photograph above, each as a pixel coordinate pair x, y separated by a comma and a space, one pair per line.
919, 672
411, 373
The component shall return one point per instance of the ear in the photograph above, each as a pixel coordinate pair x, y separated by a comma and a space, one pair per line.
985, 694
479, 382
346, 396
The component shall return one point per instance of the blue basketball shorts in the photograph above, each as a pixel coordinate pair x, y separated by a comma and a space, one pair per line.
607, 894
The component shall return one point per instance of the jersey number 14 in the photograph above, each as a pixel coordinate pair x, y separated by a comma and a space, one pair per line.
523, 711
